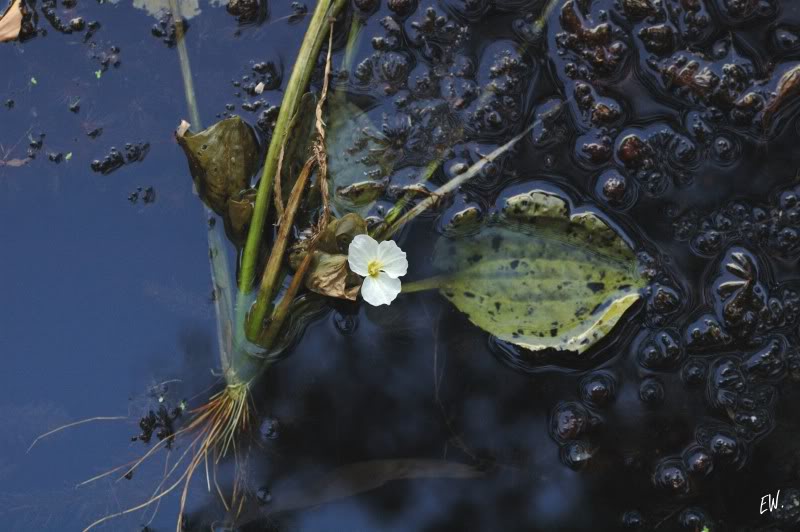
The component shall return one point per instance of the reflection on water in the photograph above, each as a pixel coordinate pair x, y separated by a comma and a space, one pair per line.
189, 8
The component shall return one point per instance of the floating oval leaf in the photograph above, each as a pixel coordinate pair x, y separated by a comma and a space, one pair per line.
540, 277
222, 159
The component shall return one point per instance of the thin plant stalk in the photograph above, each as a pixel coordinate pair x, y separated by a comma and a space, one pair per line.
282, 310
273, 268
295, 88
453, 184
271, 272
220, 269
398, 207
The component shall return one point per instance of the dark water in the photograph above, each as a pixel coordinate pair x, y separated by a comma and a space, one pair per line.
686, 419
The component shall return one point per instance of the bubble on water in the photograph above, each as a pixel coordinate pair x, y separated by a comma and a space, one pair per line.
663, 350
694, 519
577, 454
693, 372
569, 421
698, 461
269, 429
598, 389
670, 475
264, 495
346, 324
632, 520
651, 392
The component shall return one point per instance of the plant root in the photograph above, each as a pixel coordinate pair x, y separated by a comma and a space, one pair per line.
213, 431
73, 424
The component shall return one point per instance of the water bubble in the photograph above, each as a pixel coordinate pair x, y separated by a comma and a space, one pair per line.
662, 351
577, 454
263, 495
632, 520
724, 447
651, 392
269, 429
671, 476
693, 519
698, 461
568, 421
598, 389
693, 372
346, 324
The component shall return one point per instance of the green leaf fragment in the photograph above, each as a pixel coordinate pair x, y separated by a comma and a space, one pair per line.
540, 277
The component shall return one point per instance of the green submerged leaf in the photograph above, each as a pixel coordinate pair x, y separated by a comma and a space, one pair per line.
540, 277
350, 187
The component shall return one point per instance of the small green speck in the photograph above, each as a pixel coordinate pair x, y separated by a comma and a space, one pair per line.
706, 529
33, 81
98, 73
68, 156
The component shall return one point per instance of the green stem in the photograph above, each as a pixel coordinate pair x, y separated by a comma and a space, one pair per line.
282, 310
268, 282
186, 69
295, 88
397, 210
431, 283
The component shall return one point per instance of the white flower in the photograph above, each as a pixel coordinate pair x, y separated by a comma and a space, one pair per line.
381, 265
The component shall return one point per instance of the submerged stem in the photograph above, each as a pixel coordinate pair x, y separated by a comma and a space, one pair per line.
431, 283
220, 269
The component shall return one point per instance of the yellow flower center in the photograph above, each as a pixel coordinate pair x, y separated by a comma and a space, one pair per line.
374, 268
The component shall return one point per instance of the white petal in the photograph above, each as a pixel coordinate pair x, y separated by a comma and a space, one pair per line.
362, 250
380, 290
392, 258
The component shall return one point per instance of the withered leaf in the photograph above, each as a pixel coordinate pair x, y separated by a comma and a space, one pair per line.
11, 22
329, 274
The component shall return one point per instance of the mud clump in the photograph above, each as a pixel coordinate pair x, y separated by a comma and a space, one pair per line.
114, 160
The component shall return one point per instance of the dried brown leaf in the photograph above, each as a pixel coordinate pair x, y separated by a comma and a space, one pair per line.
11, 22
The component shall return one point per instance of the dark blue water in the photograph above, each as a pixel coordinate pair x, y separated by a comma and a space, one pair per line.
107, 311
